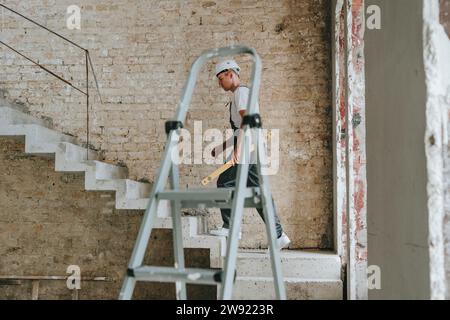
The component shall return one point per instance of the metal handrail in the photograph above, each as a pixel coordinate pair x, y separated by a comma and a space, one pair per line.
88, 63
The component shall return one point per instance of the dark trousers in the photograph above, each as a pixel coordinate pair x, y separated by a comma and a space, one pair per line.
228, 180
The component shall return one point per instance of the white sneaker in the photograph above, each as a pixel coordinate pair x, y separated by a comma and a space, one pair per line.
283, 241
223, 232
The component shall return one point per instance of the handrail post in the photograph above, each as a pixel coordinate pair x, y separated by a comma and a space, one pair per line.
87, 104
88, 62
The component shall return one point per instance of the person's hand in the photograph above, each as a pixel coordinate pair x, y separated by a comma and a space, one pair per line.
235, 157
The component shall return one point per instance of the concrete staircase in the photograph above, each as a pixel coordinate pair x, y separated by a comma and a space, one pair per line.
307, 275
41, 140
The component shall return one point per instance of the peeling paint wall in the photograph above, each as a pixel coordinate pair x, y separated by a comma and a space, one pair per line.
349, 144
445, 21
437, 69
339, 141
356, 151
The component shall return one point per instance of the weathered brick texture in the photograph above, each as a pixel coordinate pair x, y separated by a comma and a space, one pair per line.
142, 51
48, 222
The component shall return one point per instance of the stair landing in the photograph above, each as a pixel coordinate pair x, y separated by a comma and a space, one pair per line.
308, 275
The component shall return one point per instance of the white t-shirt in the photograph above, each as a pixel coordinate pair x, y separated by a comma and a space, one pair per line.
238, 103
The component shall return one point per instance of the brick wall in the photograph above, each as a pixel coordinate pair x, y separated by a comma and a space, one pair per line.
48, 222
142, 51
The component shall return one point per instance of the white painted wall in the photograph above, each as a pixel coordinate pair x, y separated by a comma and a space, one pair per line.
396, 165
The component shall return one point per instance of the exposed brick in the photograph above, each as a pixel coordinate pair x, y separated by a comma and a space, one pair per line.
142, 52
48, 222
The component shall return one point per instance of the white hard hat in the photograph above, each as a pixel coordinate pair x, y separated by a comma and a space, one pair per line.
226, 65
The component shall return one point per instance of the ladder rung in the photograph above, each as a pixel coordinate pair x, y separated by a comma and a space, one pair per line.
169, 274
223, 194
211, 198
248, 203
219, 194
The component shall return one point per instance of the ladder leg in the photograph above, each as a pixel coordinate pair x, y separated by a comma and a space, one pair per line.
139, 249
178, 252
236, 220
127, 288
269, 215
137, 257
233, 240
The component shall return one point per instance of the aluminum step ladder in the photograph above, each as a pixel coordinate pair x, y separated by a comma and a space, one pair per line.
235, 198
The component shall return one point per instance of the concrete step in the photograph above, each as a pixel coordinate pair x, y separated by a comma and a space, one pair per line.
137, 197
138, 190
38, 139
296, 264
131, 204
98, 170
130, 194
191, 226
124, 202
217, 247
193, 237
70, 157
307, 275
10, 114
262, 288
